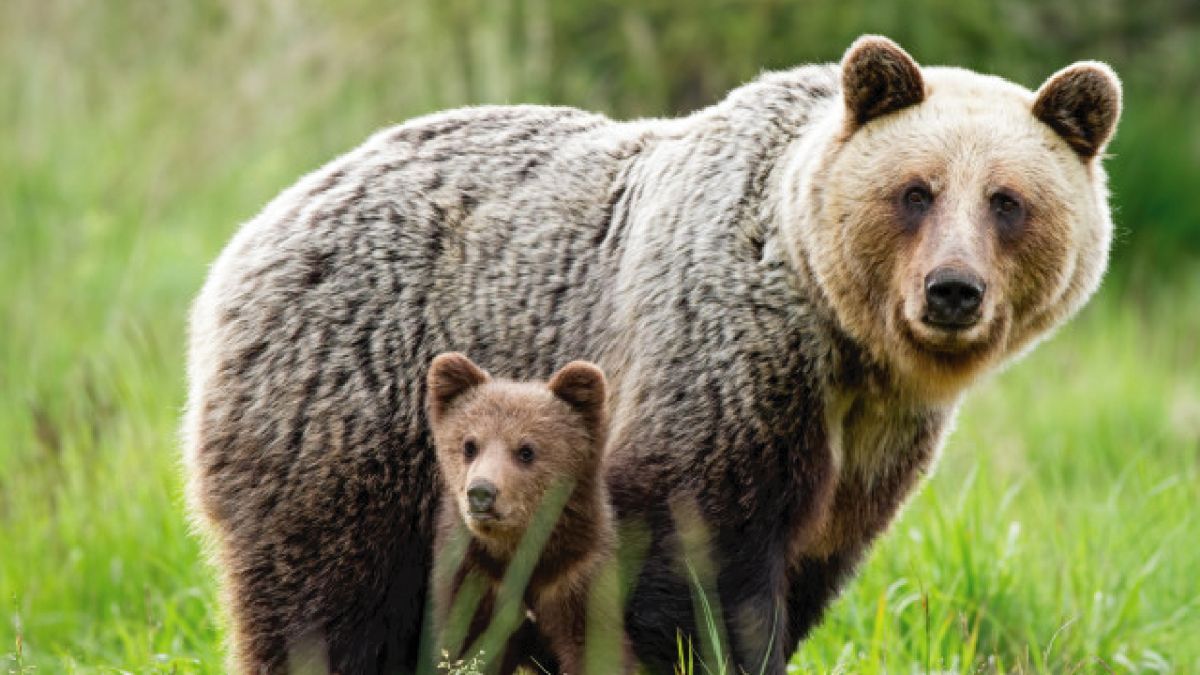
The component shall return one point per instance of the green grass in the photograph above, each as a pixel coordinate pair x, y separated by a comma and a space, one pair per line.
1058, 534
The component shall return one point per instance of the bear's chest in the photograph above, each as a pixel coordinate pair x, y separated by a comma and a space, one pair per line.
878, 450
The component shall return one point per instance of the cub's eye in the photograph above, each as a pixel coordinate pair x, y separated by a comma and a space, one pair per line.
470, 449
525, 453
917, 199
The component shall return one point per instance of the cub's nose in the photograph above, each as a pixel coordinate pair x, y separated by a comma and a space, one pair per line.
953, 297
481, 496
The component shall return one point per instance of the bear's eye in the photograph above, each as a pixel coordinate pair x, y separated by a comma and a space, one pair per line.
470, 449
918, 198
1005, 206
1009, 213
525, 453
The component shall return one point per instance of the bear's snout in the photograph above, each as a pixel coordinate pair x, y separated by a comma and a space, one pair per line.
953, 297
481, 498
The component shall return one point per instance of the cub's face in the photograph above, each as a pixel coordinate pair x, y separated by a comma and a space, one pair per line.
958, 217
501, 445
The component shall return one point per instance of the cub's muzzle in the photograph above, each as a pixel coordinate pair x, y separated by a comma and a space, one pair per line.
481, 497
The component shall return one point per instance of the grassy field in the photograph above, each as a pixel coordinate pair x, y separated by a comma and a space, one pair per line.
1059, 533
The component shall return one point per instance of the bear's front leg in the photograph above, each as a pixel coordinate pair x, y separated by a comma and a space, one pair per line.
753, 595
756, 629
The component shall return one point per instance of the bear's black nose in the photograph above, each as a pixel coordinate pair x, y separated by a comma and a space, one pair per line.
481, 496
952, 297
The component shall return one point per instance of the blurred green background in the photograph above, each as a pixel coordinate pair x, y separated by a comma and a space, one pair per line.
1059, 534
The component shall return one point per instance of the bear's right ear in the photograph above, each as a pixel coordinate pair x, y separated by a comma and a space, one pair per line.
582, 385
450, 375
1082, 103
878, 77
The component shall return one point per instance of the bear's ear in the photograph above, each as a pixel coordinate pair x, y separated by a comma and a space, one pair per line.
450, 375
1081, 103
583, 387
878, 77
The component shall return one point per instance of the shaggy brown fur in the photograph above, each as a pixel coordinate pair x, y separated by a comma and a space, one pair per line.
515, 441
755, 279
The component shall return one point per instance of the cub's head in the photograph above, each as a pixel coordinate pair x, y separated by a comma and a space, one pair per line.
502, 444
953, 218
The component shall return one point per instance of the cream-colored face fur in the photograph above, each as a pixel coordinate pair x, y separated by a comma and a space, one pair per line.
958, 178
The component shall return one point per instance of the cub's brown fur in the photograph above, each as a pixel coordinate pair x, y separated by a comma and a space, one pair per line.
501, 446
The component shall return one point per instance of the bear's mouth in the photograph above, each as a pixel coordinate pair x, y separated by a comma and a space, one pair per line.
951, 347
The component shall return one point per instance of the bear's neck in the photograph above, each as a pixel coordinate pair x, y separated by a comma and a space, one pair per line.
881, 440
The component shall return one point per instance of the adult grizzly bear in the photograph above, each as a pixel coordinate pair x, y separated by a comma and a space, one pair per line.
788, 291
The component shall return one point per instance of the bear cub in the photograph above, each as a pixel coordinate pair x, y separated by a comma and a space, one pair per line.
501, 446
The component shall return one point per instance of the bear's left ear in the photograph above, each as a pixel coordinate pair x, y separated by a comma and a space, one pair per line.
582, 385
1082, 103
878, 77
450, 375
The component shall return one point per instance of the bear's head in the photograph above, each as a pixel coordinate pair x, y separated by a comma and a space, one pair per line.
950, 218
501, 444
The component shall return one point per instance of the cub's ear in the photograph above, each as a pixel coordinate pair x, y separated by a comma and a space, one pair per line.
582, 385
450, 375
1082, 103
878, 77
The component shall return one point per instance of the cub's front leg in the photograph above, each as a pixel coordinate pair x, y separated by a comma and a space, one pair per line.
586, 633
